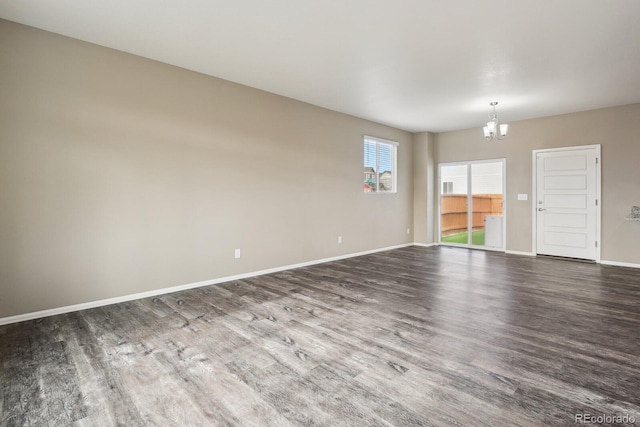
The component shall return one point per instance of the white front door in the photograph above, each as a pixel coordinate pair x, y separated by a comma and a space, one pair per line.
566, 203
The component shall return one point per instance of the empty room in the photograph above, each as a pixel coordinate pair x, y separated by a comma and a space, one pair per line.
319, 213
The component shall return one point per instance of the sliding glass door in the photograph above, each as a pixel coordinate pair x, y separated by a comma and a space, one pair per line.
471, 204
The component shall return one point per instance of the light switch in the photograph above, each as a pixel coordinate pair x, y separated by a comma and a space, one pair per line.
523, 197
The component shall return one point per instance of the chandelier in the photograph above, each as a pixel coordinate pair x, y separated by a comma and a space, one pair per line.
492, 127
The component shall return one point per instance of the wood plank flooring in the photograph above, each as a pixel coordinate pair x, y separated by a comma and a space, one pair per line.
409, 337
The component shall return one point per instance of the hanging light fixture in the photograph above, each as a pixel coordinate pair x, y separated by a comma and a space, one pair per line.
493, 129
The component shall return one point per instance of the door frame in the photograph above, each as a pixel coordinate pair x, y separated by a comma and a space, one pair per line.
470, 202
534, 194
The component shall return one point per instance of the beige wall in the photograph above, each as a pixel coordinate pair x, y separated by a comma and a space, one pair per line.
616, 129
424, 188
121, 175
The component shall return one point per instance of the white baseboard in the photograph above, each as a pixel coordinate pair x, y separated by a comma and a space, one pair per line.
425, 245
156, 292
520, 253
620, 264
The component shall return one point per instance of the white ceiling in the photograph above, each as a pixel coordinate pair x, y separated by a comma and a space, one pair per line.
414, 64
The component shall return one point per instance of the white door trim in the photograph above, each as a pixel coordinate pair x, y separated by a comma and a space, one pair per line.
534, 228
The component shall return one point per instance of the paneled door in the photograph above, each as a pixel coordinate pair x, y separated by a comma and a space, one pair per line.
566, 203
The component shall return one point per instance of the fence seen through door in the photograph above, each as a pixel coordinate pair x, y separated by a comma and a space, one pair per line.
453, 209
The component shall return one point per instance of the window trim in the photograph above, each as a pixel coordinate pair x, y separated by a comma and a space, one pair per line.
394, 162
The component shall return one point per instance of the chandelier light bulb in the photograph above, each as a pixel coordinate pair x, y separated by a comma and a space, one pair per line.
490, 131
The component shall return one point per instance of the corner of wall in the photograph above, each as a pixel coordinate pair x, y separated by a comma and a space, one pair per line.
424, 187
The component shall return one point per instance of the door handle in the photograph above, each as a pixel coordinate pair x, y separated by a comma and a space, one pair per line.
541, 209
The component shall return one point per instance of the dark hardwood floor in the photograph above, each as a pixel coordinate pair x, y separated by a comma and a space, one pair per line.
410, 337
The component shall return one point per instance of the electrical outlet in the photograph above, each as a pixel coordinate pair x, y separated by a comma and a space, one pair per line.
408, 231
237, 253
339, 239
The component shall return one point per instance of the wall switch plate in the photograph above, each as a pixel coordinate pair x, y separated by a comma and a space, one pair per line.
523, 197
237, 253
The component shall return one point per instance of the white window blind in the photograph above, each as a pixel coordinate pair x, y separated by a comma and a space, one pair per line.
379, 165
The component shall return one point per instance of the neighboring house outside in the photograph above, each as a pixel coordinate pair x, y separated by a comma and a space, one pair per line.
386, 181
369, 179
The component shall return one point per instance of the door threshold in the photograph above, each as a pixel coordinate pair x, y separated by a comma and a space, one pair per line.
565, 258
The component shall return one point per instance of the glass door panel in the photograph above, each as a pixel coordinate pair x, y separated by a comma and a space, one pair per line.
486, 203
471, 204
454, 216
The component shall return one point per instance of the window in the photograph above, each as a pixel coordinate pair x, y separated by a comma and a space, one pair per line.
447, 187
379, 165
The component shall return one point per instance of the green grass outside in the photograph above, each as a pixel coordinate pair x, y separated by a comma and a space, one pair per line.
477, 238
